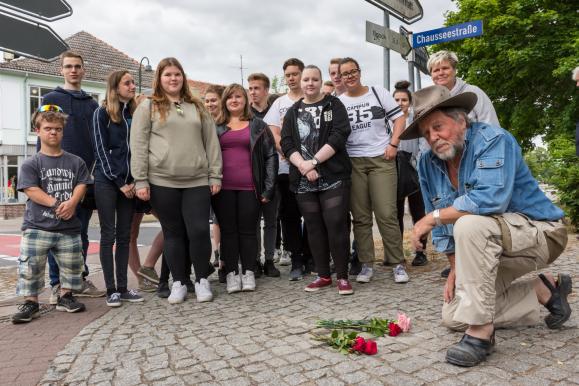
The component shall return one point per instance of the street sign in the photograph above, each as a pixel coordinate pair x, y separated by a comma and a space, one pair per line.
408, 11
418, 56
385, 37
48, 10
466, 30
30, 39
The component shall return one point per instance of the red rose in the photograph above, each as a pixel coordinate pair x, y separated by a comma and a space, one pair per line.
394, 329
370, 348
359, 344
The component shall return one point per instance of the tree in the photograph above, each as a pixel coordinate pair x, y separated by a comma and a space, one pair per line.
523, 61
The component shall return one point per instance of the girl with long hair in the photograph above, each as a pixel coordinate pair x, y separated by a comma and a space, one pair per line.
176, 164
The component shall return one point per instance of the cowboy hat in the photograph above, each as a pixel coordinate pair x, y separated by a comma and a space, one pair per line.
431, 98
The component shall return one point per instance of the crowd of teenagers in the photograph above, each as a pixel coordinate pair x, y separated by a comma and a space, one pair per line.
316, 163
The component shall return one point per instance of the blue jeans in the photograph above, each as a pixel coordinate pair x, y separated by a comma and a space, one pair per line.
84, 216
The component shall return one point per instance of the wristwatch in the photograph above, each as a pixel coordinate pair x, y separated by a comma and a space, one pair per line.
436, 216
315, 161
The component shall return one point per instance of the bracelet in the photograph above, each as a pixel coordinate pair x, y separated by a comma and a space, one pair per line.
56, 204
394, 146
436, 216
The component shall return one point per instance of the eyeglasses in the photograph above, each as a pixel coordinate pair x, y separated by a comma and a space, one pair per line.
55, 129
71, 66
45, 108
350, 74
179, 108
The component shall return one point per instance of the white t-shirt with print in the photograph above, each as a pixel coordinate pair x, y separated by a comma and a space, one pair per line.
371, 132
274, 117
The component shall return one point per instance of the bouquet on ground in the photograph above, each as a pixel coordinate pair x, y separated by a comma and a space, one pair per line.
347, 341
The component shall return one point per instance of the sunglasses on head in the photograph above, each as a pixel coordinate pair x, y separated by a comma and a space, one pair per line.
54, 108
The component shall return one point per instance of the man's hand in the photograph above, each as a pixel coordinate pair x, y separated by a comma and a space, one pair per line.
215, 189
128, 190
449, 287
305, 167
264, 200
421, 230
66, 210
312, 175
144, 194
390, 153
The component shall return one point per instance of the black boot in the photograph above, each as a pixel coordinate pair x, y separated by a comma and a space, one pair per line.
419, 259
470, 351
558, 306
270, 270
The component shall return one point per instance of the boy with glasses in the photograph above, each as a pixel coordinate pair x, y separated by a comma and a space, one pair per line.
54, 181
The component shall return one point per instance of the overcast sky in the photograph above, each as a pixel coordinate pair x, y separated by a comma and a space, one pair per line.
208, 36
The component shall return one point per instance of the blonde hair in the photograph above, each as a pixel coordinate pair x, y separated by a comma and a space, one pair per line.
112, 102
442, 56
225, 115
161, 103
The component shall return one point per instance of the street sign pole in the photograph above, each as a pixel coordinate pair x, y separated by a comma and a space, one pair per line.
418, 80
411, 76
386, 54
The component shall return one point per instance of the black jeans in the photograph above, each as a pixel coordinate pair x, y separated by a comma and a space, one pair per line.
290, 218
184, 217
416, 206
115, 213
325, 214
238, 214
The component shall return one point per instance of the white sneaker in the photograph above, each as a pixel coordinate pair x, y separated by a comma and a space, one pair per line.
233, 282
285, 258
178, 293
400, 275
203, 291
365, 274
248, 281
54, 293
277, 255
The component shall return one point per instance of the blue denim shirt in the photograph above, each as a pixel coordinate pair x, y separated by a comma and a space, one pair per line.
493, 178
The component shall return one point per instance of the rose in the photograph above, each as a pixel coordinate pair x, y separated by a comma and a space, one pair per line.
370, 347
394, 329
359, 344
403, 322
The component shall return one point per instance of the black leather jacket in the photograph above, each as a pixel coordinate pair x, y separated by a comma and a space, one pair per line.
264, 159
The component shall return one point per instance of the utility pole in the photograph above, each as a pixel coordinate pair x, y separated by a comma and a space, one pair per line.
241, 69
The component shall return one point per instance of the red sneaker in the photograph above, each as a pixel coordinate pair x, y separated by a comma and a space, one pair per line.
318, 284
344, 287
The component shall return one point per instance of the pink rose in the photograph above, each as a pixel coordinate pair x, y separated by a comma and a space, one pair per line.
403, 322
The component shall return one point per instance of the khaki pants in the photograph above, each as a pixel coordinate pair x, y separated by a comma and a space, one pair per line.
374, 184
490, 255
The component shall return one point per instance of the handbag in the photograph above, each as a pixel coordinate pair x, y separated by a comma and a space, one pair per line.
407, 176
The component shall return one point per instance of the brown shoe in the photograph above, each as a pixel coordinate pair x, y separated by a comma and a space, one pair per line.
89, 290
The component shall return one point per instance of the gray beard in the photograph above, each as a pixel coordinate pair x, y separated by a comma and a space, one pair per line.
450, 153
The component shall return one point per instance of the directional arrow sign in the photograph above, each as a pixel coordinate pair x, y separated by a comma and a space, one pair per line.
418, 56
466, 30
385, 37
48, 10
30, 39
408, 11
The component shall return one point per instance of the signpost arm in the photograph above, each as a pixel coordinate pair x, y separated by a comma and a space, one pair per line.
386, 54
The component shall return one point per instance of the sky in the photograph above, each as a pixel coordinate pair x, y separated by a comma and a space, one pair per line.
208, 36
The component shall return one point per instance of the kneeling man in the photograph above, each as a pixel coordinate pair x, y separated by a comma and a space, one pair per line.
488, 215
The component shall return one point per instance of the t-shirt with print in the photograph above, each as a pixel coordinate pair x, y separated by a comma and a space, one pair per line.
56, 176
308, 122
371, 132
274, 117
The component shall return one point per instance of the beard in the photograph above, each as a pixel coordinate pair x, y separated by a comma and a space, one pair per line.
452, 149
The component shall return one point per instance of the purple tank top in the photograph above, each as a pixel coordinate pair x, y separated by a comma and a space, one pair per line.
236, 155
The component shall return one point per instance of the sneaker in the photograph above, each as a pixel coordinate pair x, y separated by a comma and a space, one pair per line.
277, 255
216, 258
163, 290
445, 272
365, 274
178, 293
233, 282
285, 258
145, 285
344, 287
203, 291
54, 294
420, 259
68, 303
148, 273
258, 269
248, 281
131, 296
297, 273
318, 284
89, 290
222, 275
355, 267
400, 275
114, 300
270, 270
26, 312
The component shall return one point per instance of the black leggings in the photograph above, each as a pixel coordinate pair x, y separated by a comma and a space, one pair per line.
238, 214
416, 206
184, 217
325, 214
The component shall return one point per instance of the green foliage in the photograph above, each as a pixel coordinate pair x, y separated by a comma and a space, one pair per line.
523, 62
565, 175
539, 161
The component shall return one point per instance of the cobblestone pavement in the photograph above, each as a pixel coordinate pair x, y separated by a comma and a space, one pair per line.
265, 338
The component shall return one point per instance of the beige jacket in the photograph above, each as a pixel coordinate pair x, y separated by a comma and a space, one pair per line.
179, 152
